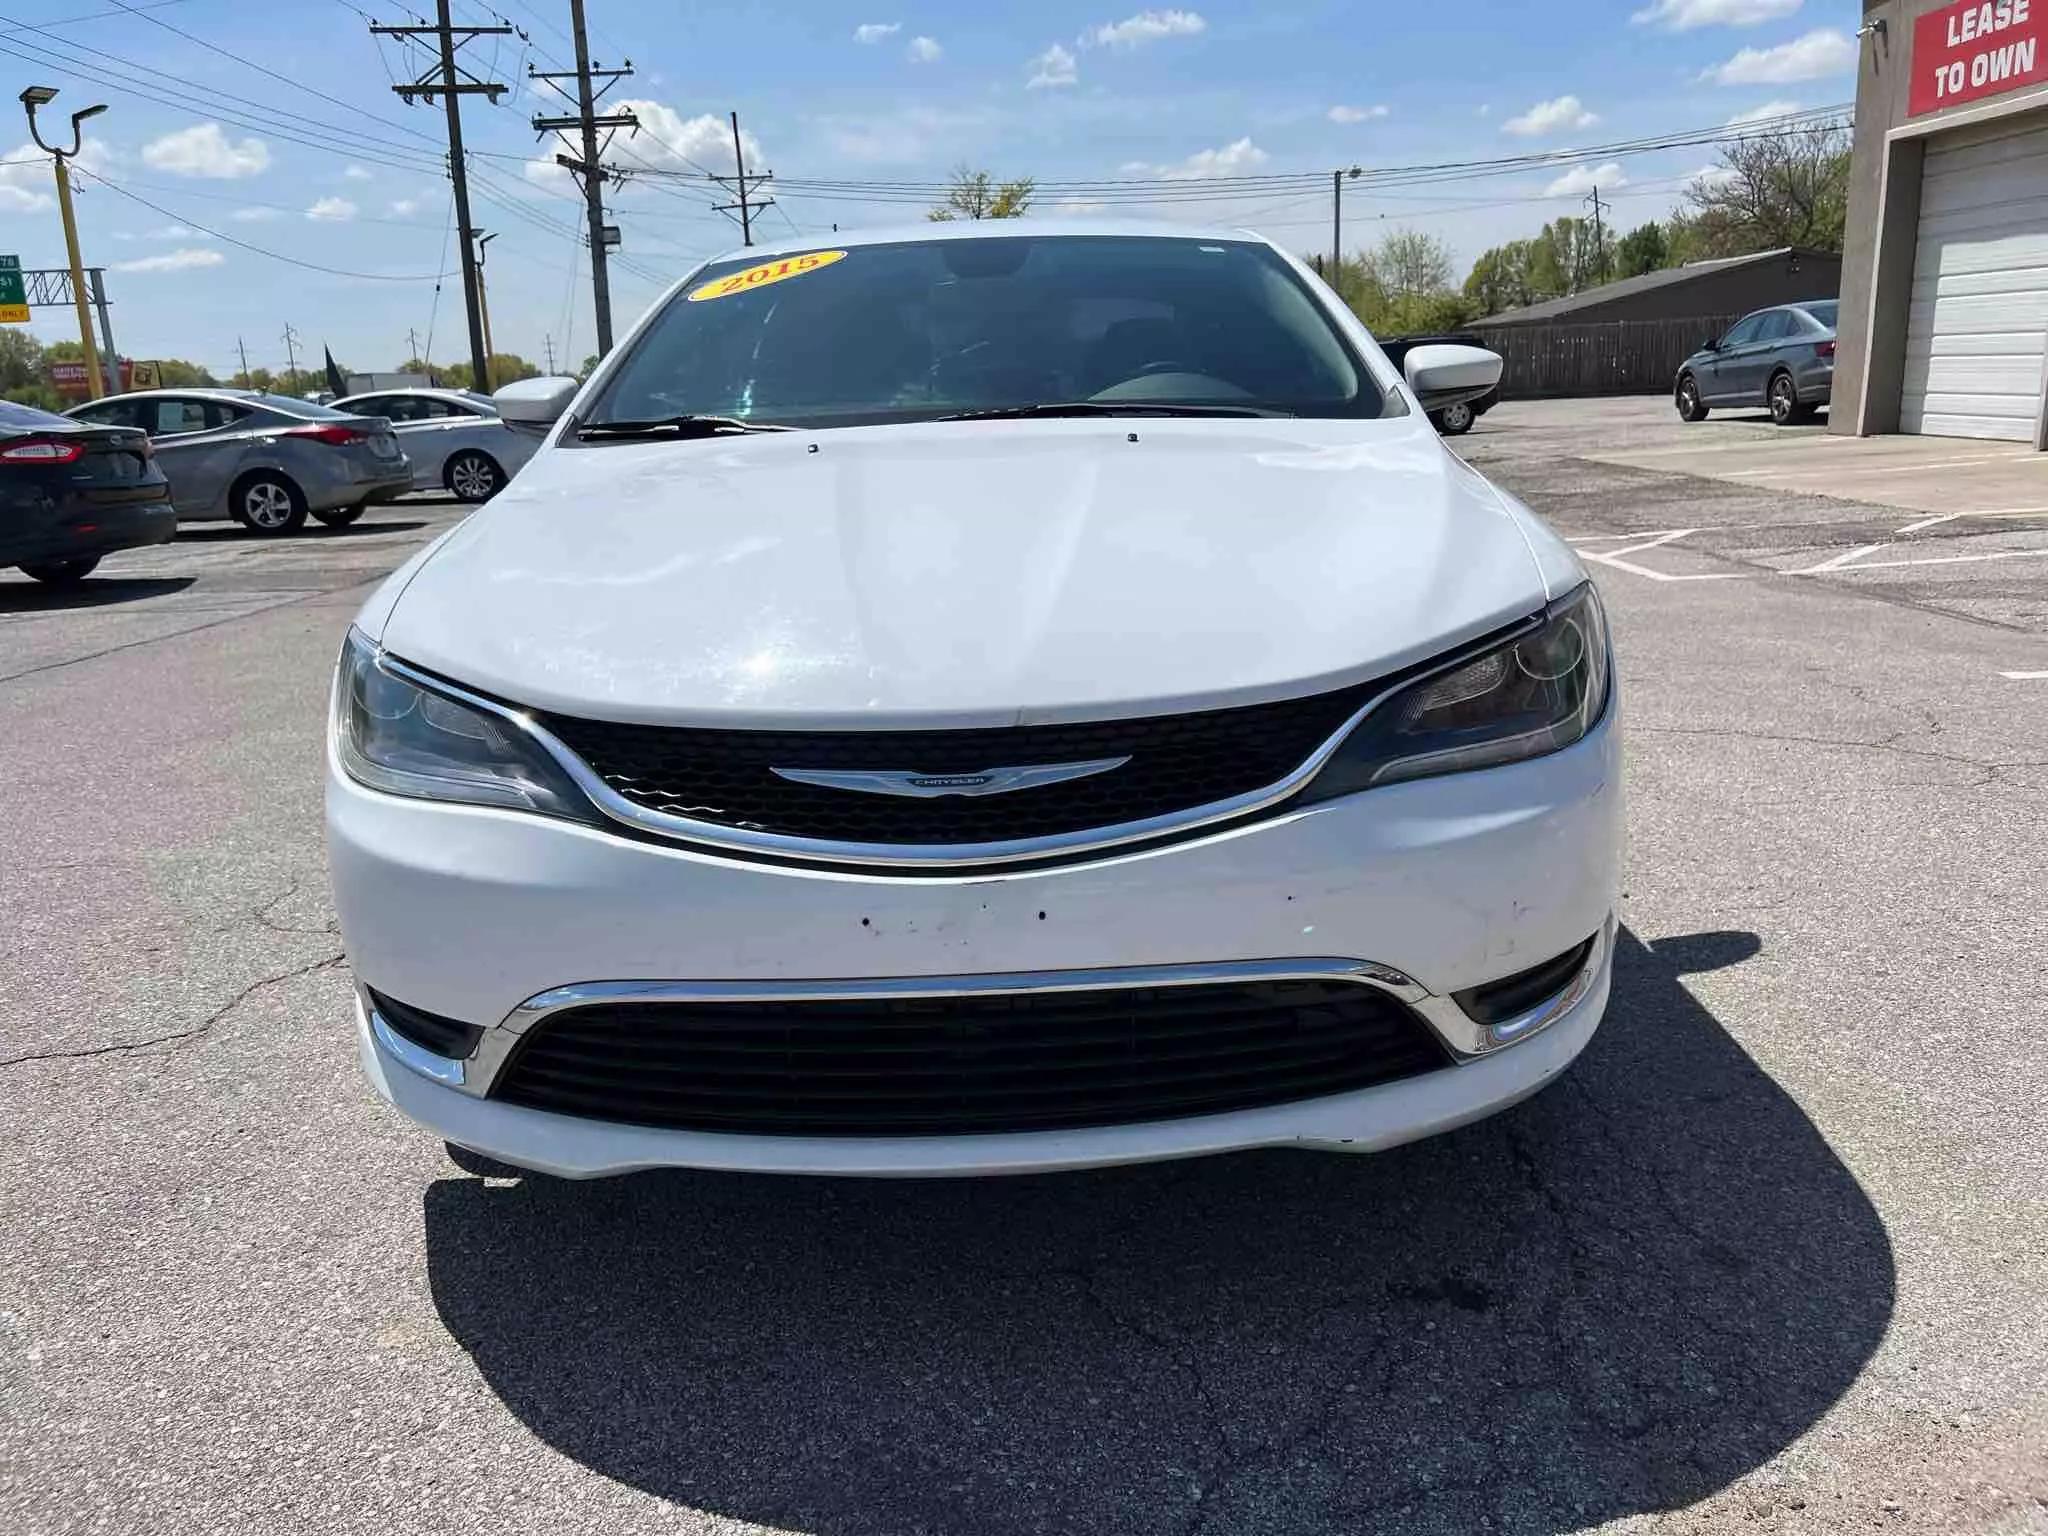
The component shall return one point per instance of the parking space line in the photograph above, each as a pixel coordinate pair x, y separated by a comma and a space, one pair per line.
1929, 522
1843, 561
2021, 677
1904, 466
1614, 558
1884, 565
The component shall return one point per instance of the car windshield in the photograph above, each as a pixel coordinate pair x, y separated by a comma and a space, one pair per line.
26, 418
1824, 312
943, 327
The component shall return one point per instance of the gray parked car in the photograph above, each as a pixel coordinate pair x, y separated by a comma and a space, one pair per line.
264, 460
1782, 358
455, 440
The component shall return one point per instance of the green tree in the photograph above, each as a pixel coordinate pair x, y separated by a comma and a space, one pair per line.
976, 195
589, 366
1771, 191
1644, 249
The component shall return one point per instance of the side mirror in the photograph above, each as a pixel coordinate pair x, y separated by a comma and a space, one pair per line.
535, 403
1442, 374
1711, 344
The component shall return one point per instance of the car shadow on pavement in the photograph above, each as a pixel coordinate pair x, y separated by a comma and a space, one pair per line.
1614, 1299
228, 533
93, 592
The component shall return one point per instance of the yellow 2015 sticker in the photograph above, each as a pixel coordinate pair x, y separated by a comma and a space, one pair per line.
766, 273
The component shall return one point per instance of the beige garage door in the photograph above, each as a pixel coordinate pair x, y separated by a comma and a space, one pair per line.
1977, 340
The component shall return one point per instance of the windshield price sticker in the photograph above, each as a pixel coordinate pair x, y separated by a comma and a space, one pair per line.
761, 276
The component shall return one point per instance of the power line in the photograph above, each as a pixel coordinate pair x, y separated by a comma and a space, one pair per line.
312, 266
587, 169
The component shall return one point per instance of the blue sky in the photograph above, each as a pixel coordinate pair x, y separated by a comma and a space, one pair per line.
870, 92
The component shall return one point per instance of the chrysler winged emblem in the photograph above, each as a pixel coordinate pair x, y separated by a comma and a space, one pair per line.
929, 786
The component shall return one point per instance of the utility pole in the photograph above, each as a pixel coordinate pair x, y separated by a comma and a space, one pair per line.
1337, 222
41, 96
247, 382
548, 345
442, 80
291, 352
745, 183
412, 345
591, 175
483, 303
1599, 238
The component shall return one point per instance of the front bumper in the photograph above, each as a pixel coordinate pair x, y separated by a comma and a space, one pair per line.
1452, 882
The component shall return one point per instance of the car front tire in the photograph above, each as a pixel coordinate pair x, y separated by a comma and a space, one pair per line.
62, 573
1690, 406
1455, 420
270, 504
473, 476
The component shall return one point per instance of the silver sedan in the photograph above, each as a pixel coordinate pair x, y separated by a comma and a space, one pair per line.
266, 461
455, 439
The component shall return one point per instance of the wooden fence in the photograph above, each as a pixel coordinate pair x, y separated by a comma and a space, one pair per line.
1618, 357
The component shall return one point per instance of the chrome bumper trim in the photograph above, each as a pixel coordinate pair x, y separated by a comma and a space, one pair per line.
1460, 1035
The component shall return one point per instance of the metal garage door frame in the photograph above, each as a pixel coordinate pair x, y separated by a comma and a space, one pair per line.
1898, 219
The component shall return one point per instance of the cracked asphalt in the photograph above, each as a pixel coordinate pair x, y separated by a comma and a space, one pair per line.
1774, 1257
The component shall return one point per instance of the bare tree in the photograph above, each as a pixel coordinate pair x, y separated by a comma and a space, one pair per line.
976, 195
1777, 189
1409, 264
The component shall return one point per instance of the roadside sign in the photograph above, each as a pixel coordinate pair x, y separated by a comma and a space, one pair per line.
13, 295
144, 376
1974, 49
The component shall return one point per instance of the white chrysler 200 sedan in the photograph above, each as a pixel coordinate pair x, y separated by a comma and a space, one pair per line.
964, 701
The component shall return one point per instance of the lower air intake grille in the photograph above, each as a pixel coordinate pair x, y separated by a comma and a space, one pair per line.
962, 1065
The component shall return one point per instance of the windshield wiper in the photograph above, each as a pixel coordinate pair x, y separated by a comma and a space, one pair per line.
1104, 408
677, 426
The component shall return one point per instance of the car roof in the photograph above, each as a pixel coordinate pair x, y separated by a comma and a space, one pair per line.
984, 229
429, 391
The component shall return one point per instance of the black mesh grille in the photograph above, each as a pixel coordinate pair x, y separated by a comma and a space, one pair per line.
1177, 762
953, 1066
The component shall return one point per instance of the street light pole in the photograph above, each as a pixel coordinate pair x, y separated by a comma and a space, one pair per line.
41, 96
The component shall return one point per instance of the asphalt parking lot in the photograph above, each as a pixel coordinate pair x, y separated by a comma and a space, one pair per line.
1773, 1258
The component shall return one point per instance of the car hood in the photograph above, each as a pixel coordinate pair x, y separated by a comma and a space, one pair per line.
967, 573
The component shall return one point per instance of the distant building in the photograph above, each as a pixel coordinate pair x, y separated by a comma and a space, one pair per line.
1700, 290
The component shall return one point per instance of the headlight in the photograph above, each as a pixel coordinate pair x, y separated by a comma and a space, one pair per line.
1536, 694
398, 736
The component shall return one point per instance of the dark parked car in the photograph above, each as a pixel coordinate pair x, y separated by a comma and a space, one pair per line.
1782, 358
1453, 420
71, 493
264, 460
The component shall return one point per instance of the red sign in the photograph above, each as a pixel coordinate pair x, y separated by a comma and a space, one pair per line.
69, 378
1978, 48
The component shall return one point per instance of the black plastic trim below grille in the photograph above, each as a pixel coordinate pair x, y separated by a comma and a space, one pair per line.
976, 1064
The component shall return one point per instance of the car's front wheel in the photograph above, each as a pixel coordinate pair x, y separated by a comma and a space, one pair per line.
62, 573
1786, 410
341, 517
474, 476
1690, 406
1455, 420
270, 504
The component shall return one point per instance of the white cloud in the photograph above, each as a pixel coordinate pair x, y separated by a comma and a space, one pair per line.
1358, 114
924, 50
175, 232
667, 141
1581, 179
1764, 113
332, 210
26, 183
1685, 15
255, 215
1486, 109
1233, 159
1815, 56
356, 173
1052, 69
404, 207
875, 31
1145, 27
1549, 116
172, 261
1712, 175
205, 150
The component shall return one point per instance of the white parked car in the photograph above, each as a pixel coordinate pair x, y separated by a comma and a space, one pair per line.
960, 701
457, 441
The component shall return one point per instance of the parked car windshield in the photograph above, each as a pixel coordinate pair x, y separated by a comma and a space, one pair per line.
26, 418
928, 328
1824, 311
